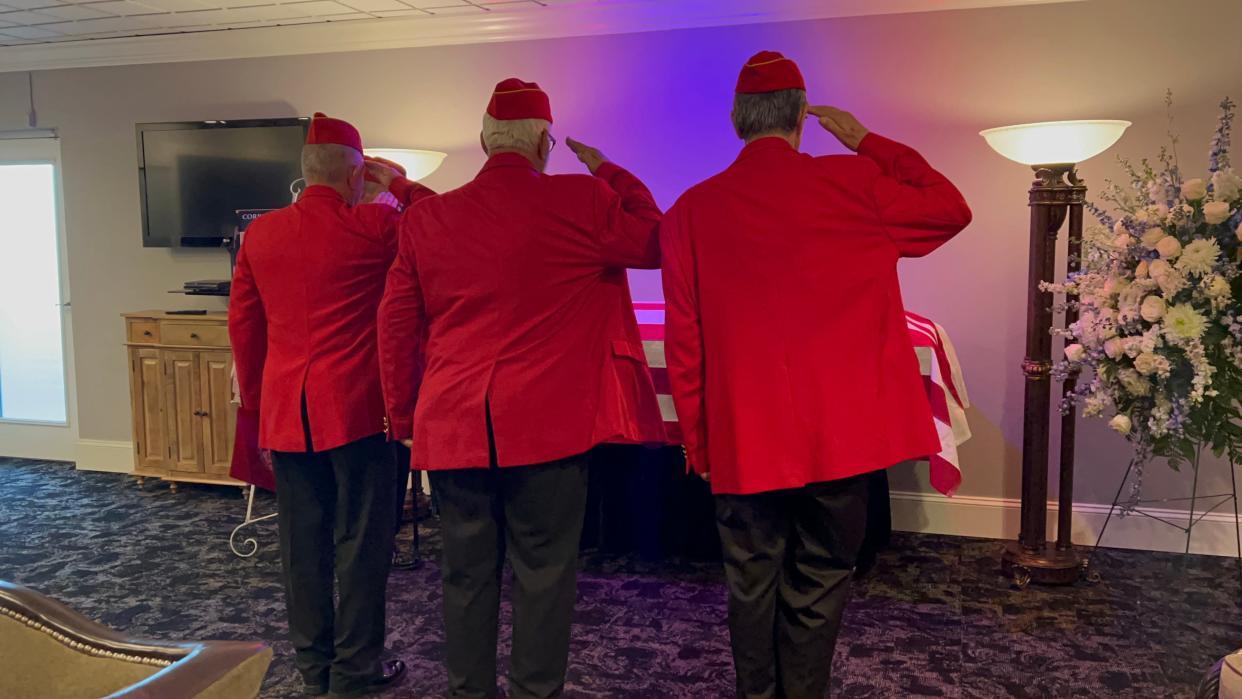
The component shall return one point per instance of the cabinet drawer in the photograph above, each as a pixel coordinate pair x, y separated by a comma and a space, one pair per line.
195, 334
144, 331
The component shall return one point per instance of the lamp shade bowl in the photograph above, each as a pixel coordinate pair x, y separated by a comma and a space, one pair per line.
417, 163
1055, 142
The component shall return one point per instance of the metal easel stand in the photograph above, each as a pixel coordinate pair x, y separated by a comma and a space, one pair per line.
251, 543
1134, 507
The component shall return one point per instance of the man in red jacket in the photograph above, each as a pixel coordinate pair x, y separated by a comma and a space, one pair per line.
508, 318
791, 368
302, 310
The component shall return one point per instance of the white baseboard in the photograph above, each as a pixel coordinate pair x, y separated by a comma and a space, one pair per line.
999, 518
103, 455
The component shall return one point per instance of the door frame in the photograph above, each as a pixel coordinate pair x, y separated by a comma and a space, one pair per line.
34, 439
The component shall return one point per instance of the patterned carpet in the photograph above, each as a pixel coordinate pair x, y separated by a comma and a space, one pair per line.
934, 619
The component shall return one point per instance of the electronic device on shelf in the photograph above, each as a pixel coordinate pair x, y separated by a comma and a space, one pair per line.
207, 287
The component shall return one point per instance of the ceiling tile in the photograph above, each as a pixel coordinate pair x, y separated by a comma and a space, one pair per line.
74, 12
454, 10
30, 32
26, 18
190, 19
322, 8
376, 5
282, 12
179, 5
28, 4
104, 24
348, 17
400, 13
127, 8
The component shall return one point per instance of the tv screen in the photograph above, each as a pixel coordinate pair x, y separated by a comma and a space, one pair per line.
195, 176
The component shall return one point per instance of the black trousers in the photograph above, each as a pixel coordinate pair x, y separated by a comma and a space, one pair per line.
789, 556
534, 514
336, 520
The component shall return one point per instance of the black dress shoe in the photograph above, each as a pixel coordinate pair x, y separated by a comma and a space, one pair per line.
401, 561
391, 672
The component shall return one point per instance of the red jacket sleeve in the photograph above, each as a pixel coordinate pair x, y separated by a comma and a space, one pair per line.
247, 331
919, 207
407, 191
402, 328
627, 220
683, 336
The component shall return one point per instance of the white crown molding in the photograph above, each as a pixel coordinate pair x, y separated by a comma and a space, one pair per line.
502, 24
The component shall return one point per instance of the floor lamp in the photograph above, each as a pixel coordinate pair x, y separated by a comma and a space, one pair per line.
1053, 150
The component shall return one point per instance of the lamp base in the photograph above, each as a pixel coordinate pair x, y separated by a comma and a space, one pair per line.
1047, 566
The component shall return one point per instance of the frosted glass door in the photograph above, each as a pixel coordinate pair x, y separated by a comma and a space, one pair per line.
32, 352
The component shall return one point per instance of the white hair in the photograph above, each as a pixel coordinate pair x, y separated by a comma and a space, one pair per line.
328, 163
513, 134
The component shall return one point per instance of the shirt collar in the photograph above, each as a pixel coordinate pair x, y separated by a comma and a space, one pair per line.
507, 160
320, 190
764, 145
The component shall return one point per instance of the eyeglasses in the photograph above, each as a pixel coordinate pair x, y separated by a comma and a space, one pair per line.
551, 141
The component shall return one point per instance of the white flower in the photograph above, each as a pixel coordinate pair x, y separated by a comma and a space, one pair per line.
1119, 228
1153, 309
1199, 257
1121, 423
1075, 352
1159, 268
1156, 191
1115, 348
1225, 185
1095, 405
1123, 241
1194, 190
1144, 268
1162, 211
1147, 363
1169, 247
1184, 322
1215, 212
1134, 384
1170, 283
1217, 288
1151, 236
1134, 347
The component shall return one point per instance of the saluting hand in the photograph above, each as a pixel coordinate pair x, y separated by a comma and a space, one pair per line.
841, 124
409, 443
382, 172
591, 157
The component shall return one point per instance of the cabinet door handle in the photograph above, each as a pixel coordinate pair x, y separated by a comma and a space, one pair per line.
146, 333
193, 336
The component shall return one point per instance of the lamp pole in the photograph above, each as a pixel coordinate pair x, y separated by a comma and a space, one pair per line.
1056, 194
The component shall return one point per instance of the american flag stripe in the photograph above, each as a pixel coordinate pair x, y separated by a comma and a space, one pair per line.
948, 400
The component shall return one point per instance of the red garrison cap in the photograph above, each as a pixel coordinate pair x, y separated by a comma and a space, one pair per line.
325, 129
769, 71
517, 99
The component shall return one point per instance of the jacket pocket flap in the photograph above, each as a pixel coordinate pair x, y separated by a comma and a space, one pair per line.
633, 350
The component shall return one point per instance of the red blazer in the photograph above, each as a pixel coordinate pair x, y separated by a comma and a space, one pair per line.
302, 317
513, 291
785, 330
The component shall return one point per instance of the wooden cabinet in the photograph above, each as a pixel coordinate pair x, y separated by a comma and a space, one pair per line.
181, 392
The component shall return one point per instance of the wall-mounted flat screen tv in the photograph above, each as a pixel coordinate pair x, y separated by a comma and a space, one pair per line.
194, 176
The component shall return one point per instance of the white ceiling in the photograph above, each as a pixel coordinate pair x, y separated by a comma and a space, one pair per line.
39, 34
44, 21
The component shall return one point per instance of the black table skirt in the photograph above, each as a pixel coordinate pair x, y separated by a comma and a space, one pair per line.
640, 501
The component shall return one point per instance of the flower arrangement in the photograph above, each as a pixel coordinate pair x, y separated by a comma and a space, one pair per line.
1159, 298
